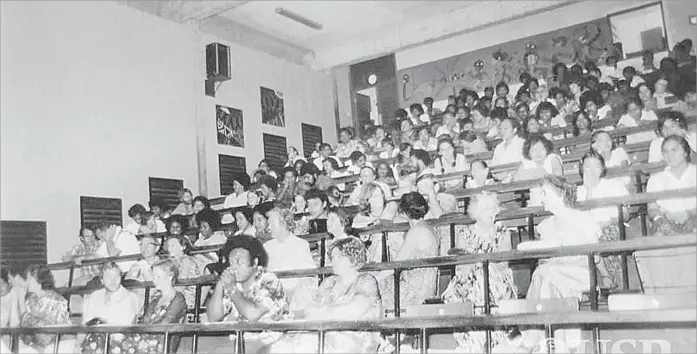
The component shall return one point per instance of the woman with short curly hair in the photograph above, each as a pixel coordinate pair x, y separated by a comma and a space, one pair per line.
347, 295
288, 252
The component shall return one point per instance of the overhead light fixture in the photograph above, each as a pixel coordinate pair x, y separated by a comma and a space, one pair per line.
372, 79
298, 18
693, 20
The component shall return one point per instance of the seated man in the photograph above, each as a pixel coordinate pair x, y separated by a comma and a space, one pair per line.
115, 241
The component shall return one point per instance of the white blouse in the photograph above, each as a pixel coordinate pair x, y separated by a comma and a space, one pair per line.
628, 122
439, 168
606, 188
667, 181
508, 152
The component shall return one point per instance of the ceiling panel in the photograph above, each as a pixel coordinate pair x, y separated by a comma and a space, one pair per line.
352, 30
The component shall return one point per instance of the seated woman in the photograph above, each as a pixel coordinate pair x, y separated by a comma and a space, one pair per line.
208, 221
385, 174
113, 305
43, 307
347, 295
288, 252
239, 196
449, 161
480, 175
540, 160
596, 186
178, 247
246, 292
673, 216
670, 123
565, 276
9, 304
485, 235
420, 241
635, 116
261, 223
347, 144
244, 217
185, 206
167, 306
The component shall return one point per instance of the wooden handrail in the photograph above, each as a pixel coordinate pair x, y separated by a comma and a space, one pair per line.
558, 144
447, 219
459, 257
677, 316
566, 158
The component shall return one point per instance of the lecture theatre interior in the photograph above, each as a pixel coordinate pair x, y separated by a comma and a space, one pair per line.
452, 176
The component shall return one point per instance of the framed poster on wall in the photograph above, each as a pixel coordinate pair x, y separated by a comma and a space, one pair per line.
272, 107
230, 126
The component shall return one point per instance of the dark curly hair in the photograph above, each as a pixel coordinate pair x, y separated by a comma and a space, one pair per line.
413, 205
590, 155
351, 248
43, 276
251, 244
534, 139
209, 216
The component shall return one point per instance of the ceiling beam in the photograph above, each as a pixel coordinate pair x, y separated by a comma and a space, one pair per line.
201, 10
249, 37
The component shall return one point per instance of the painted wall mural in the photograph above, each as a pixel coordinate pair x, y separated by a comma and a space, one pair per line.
590, 41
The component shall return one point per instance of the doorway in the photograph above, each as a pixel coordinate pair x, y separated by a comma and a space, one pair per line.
373, 93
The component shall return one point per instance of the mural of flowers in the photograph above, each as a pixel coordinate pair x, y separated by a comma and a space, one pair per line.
230, 126
272, 107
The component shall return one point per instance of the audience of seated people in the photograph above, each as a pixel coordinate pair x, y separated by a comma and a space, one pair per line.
397, 166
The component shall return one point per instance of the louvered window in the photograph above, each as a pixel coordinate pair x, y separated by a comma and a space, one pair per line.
275, 151
166, 190
312, 135
94, 210
229, 167
22, 243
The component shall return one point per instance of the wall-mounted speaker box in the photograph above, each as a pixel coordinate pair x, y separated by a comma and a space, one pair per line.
217, 62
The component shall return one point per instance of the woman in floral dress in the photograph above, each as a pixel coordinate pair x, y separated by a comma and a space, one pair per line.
44, 307
484, 236
347, 295
167, 306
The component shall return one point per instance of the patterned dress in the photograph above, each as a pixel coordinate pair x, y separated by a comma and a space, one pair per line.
416, 285
158, 312
188, 268
467, 285
45, 310
329, 294
266, 291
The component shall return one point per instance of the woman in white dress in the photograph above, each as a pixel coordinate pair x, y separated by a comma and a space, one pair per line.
613, 155
670, 123
449, 161
560, 277
635, 116
667, 270
540, 160
596, 186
